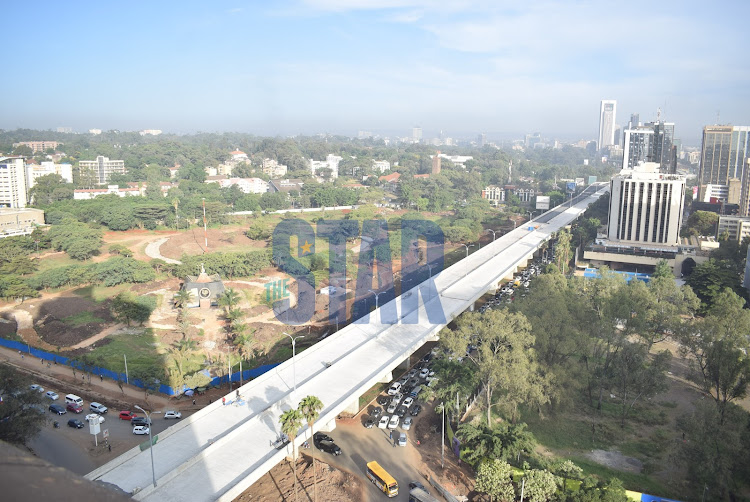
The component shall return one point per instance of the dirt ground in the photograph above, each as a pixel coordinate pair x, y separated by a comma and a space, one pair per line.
334, 485
49, 314
193, 241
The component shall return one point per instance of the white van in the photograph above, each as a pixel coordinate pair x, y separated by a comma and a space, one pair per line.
73, 399
98, 408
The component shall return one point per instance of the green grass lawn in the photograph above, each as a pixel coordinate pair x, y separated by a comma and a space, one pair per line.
140, 349
81, 318
101, 293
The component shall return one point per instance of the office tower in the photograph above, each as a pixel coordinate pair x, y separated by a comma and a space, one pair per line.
436, 163
724, 155
607, 115
416, 134
482, 139
101, 169
635, 120
13, 184
646, 206
651, 142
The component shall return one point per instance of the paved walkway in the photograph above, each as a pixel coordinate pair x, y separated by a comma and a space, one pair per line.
102, 334
152, 251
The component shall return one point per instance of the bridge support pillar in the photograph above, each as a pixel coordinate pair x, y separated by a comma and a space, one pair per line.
353, 407
471, 308
386, 378
325, 426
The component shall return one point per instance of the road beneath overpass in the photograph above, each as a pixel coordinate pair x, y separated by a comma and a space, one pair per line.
218, 452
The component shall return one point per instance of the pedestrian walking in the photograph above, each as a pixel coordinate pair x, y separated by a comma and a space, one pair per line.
49, 365
109, 446
41, 360
21, 356
391, 434
209, 400
193, 402
101, 377
238, 394
223, 401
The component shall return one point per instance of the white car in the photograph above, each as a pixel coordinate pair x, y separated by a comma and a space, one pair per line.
408, 402
383, 422
37, 388
394, 389
94, 416
407, 423
424, 372
172, 414
393, 423
51, 394
140, 429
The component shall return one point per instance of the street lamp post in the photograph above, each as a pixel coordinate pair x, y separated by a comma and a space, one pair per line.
530, 213
294, 366
376, 299
442, 437
493, 234
150, 442
467, 246
514, 224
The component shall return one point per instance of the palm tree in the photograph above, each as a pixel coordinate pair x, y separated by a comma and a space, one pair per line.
310, 407
182, 298
291, 421
229, 299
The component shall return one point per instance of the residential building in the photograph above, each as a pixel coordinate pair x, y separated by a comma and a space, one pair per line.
150, 132
422, 176
724, 154
381, 165
607, 116
19, 221
34, 171
525, 194
416, 134
174, 170
92, 193
65, 129
285, 186
494, 194
239, 156
13, 183
247, 185
436, 163
101, 169
273, 169
38, 146
457, 160
646, 206
736, 227
95, 132
331, 162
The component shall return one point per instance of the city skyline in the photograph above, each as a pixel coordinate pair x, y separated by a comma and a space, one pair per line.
333, 66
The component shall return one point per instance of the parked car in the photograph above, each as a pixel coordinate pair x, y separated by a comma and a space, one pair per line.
401, 411
36, 387
383, 422
393, 423
406, 425
383, 400
393, 389
320, 436
52, 395
127, 415
417, 484
402, 439
140, 429
369, 423
408, 402
424, 372
74, 422
329, 447
98, 408
391, 408
94, 416
172, 414
140, 421
415, 410
74, 408
56, 408
376, 412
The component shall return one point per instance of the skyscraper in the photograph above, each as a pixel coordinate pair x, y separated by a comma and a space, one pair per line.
724, 155
651, 142
416, 134
607, 113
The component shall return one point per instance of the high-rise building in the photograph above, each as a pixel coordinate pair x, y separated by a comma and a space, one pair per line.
646, 206
651, 142
13, 184
724, 155
416, 134
101, 169
34, 171
635, 120
607, 116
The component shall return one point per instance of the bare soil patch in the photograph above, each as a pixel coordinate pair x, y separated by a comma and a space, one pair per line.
49, 324
278, 484
8, 325
192, 242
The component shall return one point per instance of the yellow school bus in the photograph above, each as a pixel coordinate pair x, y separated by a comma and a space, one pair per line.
382, 479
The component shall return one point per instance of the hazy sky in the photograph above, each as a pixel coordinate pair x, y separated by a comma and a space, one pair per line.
340, 66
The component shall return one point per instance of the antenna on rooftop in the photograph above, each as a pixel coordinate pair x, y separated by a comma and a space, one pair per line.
718, 116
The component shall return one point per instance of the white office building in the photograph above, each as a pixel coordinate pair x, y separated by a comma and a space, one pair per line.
736, 227
381, 165
13, 184
102, 168
607, 124
646, 206
34, 171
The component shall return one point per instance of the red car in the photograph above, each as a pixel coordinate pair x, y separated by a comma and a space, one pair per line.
74, 408
127, 415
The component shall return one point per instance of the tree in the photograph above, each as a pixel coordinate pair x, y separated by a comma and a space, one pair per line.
668, 306
126, 308
310, 407
229, 299
662, 270
503, 441
567, 470
710, 278
494, 477
504, 358
182, 298
149, 378
22, 410
719, 346
540, 485
701, 223
563, 251
291, 421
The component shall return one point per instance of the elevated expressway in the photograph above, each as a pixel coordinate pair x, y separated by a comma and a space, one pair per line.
218, 452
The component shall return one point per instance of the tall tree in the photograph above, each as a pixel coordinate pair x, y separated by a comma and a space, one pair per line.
229, 299
291, 421
494, 478
21, 410
540, 485
310, 407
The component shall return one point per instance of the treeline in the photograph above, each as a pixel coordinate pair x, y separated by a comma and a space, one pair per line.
114, 271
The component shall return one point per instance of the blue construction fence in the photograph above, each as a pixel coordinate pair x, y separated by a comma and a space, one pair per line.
121, 377
593, 273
